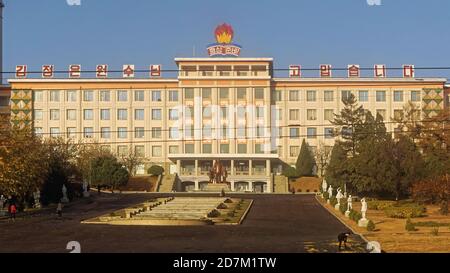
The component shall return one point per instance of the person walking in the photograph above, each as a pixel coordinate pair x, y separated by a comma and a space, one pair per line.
59, 209
12, 211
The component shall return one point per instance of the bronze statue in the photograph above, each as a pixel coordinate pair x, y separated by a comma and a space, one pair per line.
218, 173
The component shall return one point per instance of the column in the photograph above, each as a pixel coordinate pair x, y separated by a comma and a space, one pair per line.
196, 170
250, 167
196, 184
250, 184
232, 185
178, 167
233, 171
267, 167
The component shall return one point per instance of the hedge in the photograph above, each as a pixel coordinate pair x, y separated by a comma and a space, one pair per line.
405, 211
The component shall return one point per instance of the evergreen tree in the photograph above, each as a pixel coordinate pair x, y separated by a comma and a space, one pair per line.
305, 161
337, 170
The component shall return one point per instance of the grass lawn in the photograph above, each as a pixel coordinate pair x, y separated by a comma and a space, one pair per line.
391, 233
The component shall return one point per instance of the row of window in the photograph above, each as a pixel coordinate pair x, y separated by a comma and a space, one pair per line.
105, 114
363, 95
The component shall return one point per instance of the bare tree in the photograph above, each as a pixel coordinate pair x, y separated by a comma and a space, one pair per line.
131, 160
322, 155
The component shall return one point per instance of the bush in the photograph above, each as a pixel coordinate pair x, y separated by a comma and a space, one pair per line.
222, 206
370, 226
355, 216
409, 225
431, 224
214, 213
333, 201
343, 207
325, 195
290, 172
380, 205
155, 170
405, 211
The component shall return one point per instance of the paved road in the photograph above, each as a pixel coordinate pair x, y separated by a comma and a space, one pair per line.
275, 223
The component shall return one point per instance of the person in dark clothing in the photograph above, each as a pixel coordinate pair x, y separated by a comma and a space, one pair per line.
12, 211
342, 238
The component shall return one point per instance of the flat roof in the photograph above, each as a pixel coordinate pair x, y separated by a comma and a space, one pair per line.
223, 156
223, 59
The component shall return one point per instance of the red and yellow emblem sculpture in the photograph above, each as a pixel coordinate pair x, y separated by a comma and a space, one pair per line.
224, 36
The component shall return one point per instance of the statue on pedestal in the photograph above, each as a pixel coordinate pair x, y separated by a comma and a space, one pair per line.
349, 206
324, 185
363, 208
330, 192
85, 189
64, 199
339, 196
37, 199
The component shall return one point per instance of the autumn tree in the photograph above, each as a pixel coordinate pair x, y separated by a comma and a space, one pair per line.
131, 161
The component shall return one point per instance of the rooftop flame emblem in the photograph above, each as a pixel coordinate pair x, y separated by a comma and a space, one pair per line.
224, 34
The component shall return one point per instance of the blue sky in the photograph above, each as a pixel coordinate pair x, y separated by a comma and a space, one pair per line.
306, 32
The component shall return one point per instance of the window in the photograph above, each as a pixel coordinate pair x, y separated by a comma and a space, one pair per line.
54, 132
259, 148
122, 150
328, 114
139, 95
189, 93
206, 70
207, 131
242, 148
189, 148
259, 131
363, 96
294, 132
88, 132
105, 114
38, 131
139, 150
122, 114
206, 93
71, 114
224, 148
415, 96
241, 112
173, 133
173, 114
88, 95
381, 96
224, 132
207, 112
156, 132
54, 96
259, 93
293, 151
240, 131
88, 114
310, 95
223, 112
71, 132
277, 95
105, 132
122, 132
345, 94
224, 70
139, 114
189, 114
105, 95
173, 149
328, 132
311, 114
38, 114
278, 114
54, 114
139, 132
294, 114
294, 95
311, 132
156, 95
71, 96
122, 95
398, 96
328, 95
38, 96
224, 93
241, 93
382, 113
280, 132
156, 114
189, 131
259, 112
173, 95
207, 148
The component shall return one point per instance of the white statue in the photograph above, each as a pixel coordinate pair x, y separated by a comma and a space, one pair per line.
330, 192
363, 208
85, 189
64, 199
339, 196
37, 199
349, 203
324, 185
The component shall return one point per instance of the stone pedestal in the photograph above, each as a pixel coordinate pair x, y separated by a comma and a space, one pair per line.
363, 222
347, 214
336, 207
328, 201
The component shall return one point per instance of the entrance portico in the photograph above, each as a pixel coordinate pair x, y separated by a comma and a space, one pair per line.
246, 172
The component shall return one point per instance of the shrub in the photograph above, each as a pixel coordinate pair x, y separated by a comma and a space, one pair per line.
155, 170
370, 226
380, 205
325, 195
228, 200
405, 211
343, 207
214, 213
409, 225
355, 216
435, 231
431, 224
222, 206
333, 201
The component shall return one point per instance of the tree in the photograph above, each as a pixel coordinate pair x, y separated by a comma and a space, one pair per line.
106, 171
155, 170
131, 160
409, 122
322, 158
347, 121
290, 172
434, 190
305, 161
337, 171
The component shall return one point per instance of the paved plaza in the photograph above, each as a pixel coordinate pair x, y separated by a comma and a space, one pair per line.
275, 223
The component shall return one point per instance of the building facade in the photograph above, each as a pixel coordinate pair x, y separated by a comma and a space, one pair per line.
228, 109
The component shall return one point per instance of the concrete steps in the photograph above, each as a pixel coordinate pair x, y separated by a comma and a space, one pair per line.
281, 184
167, 183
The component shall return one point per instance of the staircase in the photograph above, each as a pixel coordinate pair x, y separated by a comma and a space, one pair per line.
281, 184
167, 183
